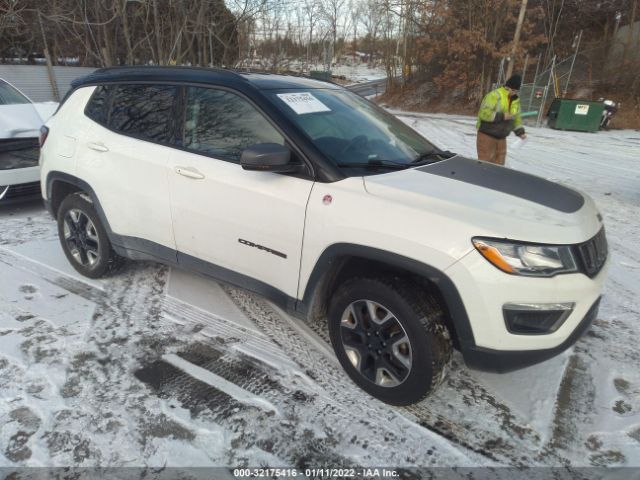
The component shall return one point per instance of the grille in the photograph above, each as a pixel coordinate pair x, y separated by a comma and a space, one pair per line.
23, 190
593, 253
19, 153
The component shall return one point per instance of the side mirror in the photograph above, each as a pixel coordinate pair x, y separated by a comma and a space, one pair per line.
268, 157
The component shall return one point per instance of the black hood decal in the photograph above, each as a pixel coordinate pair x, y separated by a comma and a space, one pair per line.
504, 180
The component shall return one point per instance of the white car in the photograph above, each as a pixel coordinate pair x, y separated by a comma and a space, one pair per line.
317, 199
20, 122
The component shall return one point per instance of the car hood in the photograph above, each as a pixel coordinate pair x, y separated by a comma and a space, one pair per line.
19, 121
493, 200
46, 109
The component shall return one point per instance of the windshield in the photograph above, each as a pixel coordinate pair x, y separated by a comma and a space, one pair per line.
11, 96
351, 131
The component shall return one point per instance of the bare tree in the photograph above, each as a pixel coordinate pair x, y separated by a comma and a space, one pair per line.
109, 32
371, 19
312, 12
333, 11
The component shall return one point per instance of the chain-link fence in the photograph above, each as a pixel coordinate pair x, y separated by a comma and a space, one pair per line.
532, 103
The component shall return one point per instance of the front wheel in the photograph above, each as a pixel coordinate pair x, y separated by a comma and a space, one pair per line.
390, 338
83, 238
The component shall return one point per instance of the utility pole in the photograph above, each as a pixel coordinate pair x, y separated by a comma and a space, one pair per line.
516, 38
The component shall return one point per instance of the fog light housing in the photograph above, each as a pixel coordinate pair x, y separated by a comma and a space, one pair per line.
535, 318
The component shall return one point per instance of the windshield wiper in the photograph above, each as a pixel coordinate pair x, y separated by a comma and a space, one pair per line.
374, 164
431, 157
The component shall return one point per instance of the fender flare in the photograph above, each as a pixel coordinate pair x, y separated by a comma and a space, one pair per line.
54, 176
338, 251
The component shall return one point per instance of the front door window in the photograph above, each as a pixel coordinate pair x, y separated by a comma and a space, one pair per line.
222, 124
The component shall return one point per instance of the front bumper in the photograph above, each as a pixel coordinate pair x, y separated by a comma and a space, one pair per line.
19, 176
484, 290
19, 160
502, 361
20, 193
19, 171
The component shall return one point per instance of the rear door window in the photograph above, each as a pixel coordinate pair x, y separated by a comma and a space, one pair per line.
144, 111
223, 124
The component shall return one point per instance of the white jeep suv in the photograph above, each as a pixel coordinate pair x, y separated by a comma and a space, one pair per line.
317, 199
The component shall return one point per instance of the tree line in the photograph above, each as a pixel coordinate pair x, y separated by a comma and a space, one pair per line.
119, 32
459, 44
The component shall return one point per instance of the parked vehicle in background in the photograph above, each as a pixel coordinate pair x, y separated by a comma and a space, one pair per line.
20, 122
610, 109
332, 208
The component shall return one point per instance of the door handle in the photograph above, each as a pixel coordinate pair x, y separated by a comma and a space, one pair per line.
189, 172
98, 146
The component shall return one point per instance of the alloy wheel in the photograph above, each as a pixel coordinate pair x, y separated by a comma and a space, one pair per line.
376, 343
81, 238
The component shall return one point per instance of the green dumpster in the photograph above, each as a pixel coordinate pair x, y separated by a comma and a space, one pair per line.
571, 114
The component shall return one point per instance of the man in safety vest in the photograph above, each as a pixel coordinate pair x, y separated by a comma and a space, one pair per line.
499, 115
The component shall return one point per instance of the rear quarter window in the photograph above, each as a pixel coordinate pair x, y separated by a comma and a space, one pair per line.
97, 108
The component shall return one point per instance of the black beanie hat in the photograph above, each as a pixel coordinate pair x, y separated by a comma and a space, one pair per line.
514, 82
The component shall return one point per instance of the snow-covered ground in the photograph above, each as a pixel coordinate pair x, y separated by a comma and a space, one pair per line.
360, 73
159, 367
356, 73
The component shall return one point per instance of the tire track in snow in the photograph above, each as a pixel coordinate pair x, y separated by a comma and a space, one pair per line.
497, 433
342, 397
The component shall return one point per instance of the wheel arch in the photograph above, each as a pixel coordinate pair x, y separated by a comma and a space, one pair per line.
343, 260
59, 185
57, 191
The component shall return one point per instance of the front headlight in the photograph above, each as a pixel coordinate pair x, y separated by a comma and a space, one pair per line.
527, 259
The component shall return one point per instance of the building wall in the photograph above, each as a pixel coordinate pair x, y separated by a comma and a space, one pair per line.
33, 80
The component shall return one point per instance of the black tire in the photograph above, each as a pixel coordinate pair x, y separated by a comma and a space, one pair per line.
102, 260
420, 316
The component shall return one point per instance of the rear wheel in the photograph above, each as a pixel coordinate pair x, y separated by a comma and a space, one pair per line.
83, 238
390, 338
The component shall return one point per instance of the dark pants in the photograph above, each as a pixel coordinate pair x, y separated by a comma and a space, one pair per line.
491, 149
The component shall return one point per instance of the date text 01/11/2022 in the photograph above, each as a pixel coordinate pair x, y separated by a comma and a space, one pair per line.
315, 472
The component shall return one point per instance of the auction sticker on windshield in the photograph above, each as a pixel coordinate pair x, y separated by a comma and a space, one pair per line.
303, 102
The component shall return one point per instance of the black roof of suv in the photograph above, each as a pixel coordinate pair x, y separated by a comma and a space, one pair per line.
199, 75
